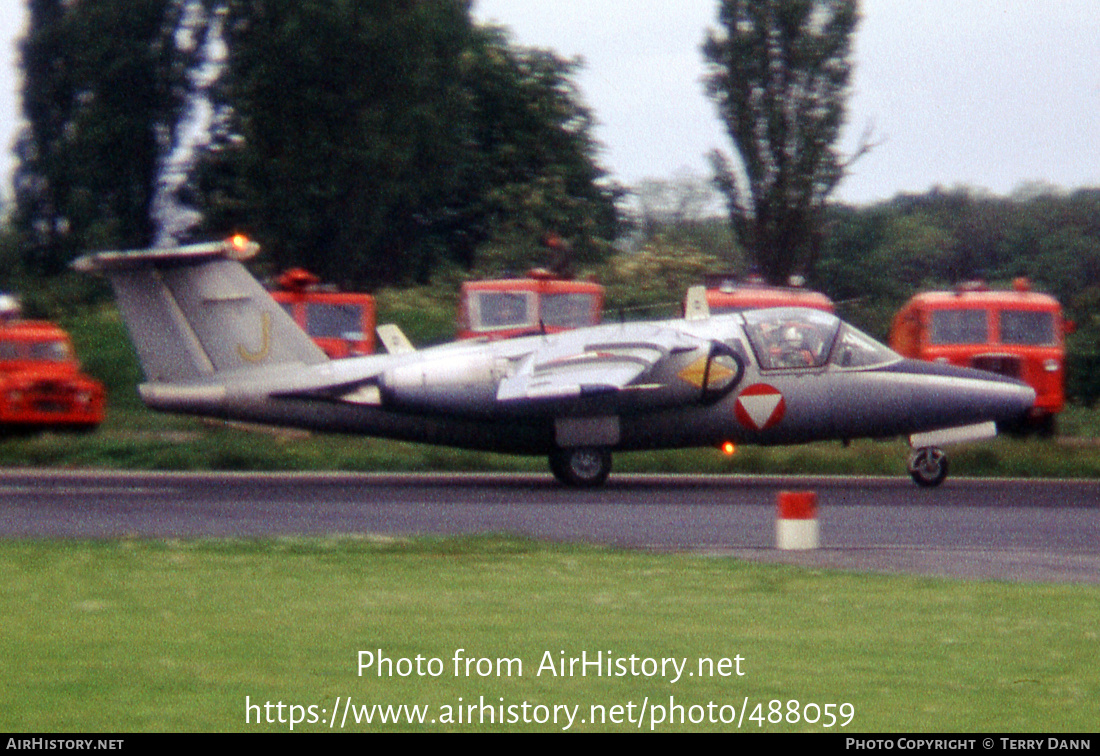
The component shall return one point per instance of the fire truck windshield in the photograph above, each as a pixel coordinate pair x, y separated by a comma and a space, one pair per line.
498, 309
959, 327
337, 321
1027, 327
51, 350
567, 310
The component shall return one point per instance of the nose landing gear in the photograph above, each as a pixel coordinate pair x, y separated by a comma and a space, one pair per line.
928, 466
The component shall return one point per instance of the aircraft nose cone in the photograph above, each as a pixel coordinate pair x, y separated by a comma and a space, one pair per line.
1024, 399
952, 395
1010, 402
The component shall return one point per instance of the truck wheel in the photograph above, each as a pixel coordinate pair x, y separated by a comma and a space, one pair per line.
582, 466
928, 466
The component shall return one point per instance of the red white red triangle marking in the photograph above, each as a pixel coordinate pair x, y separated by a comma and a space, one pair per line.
760, 407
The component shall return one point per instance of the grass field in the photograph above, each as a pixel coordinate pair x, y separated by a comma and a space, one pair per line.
173, 636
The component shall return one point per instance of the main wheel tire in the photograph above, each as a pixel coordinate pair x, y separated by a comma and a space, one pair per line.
928, 466
583, 466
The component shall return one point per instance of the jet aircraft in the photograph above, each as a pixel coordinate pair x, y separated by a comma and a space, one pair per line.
213, 342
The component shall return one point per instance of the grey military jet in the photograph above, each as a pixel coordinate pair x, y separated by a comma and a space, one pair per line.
213, 342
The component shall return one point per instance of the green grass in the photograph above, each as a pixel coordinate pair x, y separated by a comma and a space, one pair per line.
1079, 422
172, 636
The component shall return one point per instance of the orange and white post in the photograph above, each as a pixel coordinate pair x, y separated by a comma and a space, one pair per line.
796, 521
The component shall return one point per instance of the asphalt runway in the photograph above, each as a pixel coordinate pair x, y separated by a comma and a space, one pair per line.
1044, 531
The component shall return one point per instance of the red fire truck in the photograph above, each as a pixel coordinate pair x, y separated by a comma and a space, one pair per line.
1018, 333
729, 293
41, 384
540, 303
341, 323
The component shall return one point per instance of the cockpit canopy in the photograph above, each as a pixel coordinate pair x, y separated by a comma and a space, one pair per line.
792, 338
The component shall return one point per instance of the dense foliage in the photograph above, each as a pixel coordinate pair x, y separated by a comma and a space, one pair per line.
102, 91
369, 141
886, 252
778, 71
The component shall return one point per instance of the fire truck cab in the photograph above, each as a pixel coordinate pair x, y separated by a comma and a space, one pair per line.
728, 293
341, 323
1017, 333
539, 303
41, 384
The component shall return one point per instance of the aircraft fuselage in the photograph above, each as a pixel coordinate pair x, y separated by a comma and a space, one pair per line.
451, 394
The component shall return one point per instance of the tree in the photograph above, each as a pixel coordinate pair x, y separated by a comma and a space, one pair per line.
340, 146
370, 141
778, 72
102, 92
532, 167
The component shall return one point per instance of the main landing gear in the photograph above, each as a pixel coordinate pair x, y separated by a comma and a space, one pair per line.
928, 466
589, 466
581, 466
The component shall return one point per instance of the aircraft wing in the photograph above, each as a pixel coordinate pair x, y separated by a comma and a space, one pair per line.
569, 369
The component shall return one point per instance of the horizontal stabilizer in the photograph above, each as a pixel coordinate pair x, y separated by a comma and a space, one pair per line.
236, 248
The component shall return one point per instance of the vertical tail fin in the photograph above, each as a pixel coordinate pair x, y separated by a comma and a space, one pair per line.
194, 312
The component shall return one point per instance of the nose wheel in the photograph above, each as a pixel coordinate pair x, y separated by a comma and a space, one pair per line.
581, 466
928, 466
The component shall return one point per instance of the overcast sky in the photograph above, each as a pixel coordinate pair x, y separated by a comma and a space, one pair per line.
987, 93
